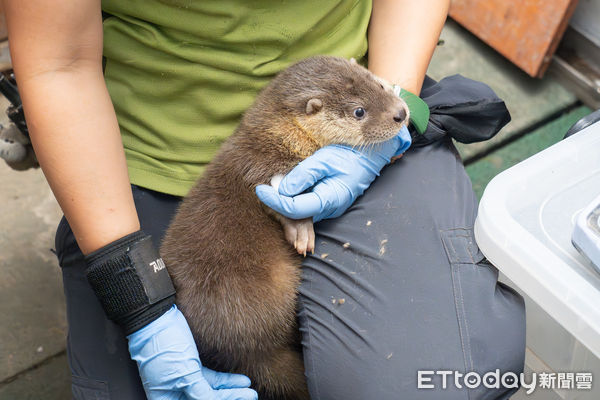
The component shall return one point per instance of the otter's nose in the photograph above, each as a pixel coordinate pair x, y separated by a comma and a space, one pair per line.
400, 115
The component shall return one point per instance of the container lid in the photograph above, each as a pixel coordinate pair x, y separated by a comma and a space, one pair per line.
526, 217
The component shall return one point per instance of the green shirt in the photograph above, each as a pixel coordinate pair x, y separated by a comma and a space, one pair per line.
181, 72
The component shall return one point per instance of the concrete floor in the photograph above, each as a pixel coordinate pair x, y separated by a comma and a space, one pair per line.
33, 330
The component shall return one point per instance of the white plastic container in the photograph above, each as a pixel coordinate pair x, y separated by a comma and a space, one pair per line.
526, 218
586, 234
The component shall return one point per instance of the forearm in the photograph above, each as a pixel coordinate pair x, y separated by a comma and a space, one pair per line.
76, 138
402, 37
56, 48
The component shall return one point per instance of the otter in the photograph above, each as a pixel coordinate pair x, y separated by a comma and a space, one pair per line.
234, 262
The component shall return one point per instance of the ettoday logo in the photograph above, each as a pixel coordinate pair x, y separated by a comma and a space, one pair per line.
508, 380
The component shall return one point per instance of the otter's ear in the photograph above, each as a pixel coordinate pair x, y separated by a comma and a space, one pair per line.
313, 106
353, 60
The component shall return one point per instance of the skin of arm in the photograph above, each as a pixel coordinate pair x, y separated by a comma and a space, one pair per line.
56, 49
402, 37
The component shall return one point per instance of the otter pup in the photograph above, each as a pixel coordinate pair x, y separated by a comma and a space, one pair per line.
234, 269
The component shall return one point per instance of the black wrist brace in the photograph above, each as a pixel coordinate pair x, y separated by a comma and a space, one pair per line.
131, 281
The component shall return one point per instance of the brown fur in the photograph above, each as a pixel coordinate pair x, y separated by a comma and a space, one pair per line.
235, 274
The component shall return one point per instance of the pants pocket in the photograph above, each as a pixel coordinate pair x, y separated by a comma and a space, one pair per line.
89, 389
491, 316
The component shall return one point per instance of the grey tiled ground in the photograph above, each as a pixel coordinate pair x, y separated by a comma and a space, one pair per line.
31, 299
48, 381
32, 312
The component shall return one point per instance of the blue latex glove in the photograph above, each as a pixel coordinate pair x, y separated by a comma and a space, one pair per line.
170, 367
339, 174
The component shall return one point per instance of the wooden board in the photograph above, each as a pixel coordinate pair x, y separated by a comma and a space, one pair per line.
526, 32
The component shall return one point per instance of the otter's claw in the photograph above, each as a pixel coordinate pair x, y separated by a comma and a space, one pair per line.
300, 234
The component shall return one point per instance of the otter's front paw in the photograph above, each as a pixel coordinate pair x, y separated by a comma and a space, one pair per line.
300, 234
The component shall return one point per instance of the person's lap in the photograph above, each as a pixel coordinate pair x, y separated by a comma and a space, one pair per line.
395, 285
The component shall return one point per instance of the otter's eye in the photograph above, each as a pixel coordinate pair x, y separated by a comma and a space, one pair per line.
359, 112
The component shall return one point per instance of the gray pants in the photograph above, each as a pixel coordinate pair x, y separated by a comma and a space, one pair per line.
396, 285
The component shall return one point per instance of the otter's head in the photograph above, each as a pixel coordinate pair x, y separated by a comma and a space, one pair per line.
340, 102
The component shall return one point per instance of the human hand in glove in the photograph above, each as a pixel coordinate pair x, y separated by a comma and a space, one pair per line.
170, 367
337, 174
135, 290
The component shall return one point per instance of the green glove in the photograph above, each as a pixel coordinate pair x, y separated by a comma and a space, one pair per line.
419, 111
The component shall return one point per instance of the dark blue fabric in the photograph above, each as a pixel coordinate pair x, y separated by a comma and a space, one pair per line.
416, 293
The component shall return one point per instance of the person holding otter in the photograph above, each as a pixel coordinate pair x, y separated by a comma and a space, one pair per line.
121, 145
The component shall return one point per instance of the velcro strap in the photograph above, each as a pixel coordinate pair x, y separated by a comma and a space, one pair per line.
131, 281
